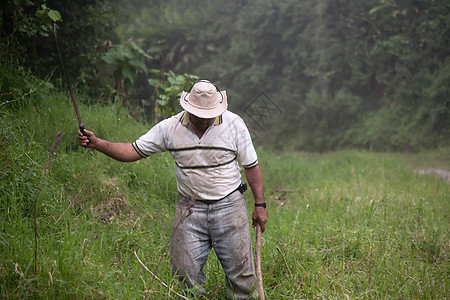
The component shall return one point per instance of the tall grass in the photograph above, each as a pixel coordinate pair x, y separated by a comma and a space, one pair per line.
358, 225
349, 224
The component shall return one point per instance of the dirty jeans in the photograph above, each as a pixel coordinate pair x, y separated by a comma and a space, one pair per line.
223, 225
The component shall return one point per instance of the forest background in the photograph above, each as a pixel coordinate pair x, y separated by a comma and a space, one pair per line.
305, 75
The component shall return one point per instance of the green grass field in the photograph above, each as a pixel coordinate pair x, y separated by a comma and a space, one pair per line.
342, 225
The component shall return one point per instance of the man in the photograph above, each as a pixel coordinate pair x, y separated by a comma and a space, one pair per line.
207, 142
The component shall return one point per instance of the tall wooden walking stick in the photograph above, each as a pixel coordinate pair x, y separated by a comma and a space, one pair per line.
258, 261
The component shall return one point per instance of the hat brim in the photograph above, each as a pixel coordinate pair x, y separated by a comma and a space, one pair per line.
206, 113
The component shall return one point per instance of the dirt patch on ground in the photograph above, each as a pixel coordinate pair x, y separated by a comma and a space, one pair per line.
436, 172
108, 209
115, 203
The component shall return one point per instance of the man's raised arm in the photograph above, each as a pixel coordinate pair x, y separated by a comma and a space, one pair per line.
119, 151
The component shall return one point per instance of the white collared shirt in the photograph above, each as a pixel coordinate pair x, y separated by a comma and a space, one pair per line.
206, 168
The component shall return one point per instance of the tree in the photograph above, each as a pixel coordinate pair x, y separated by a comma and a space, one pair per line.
83, 27
127, 60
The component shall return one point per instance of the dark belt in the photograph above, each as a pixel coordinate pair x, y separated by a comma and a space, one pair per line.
241, 188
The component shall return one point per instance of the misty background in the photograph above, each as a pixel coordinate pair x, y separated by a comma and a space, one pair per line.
305, 75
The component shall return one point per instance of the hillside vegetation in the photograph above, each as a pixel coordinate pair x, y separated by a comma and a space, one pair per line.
348, 224
305, 75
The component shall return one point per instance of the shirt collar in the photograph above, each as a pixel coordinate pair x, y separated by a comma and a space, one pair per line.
185, 119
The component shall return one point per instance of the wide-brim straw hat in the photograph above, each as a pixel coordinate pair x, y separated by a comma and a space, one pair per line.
204, 100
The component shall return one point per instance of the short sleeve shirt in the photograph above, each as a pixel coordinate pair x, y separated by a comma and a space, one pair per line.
208, 167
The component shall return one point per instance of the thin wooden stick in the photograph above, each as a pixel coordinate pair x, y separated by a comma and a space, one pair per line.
156, 277
258, 261
52, 157
72, 201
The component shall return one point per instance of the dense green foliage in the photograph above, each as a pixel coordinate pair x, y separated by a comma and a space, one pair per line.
367, 74
349, 224
85, 30
371, 74
167, 91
